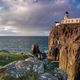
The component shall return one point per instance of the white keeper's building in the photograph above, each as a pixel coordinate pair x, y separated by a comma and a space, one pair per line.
68, 20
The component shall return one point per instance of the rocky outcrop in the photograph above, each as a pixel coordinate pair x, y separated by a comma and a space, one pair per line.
58, 75
64, 45
24, 68
35, 49
36, 52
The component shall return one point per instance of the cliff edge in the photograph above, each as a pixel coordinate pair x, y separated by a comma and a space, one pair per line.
64, 46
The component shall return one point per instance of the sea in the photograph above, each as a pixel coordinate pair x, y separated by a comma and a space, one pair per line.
19, 44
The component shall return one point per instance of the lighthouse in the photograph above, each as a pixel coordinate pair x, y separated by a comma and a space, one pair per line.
68, 20
66, 16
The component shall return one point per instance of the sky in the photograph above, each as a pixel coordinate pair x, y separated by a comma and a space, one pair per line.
34, 17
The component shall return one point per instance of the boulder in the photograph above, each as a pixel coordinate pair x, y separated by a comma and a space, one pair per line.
58, 74
36, 52
35, 49
38, 67
47, 76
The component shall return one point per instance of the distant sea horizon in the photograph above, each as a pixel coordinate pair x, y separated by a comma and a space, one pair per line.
19, 44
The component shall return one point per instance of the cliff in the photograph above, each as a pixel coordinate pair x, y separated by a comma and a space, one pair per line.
64, 46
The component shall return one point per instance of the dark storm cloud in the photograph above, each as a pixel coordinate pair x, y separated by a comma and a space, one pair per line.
34, 17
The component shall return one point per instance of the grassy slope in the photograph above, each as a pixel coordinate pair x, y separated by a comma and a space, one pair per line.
6, 58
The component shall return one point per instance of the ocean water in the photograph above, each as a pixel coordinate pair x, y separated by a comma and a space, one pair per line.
22, 44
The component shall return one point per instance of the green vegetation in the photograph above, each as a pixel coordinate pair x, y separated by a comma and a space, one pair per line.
66, 26
6, 58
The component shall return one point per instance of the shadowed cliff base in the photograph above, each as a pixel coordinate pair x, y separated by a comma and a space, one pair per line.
64, 46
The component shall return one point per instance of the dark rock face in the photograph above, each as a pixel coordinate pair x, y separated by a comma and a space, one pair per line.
35, 49
64, 45
36, 52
